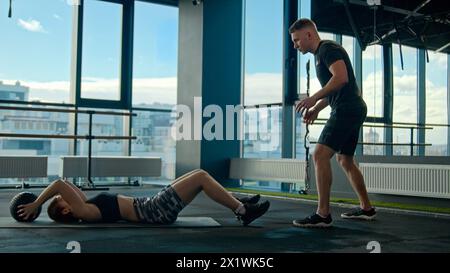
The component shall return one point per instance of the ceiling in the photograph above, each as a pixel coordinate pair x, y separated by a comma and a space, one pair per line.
416, 23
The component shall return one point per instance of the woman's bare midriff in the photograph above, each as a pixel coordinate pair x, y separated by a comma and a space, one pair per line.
126, 208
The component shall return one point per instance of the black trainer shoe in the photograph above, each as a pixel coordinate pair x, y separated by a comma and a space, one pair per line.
251, 200
359, 213
314, 220
253, 211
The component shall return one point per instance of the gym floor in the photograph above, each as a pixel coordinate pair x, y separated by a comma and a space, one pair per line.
273, 232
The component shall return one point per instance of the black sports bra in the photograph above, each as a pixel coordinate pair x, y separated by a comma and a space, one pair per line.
108, 205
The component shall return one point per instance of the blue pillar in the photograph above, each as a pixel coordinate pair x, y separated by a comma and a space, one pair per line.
448, 104
289, 81
388, 84
421, 99
221, 78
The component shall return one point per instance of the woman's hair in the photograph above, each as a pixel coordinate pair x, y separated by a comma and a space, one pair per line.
55, 213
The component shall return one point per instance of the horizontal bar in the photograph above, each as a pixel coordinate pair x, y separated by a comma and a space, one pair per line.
66, 136
37, 103
66, 111
384, 126
263, 105
418, 124
151, 109
386, 144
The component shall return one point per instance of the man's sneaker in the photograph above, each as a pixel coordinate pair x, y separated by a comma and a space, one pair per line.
253, 211
251, 200
314, 220
359, 213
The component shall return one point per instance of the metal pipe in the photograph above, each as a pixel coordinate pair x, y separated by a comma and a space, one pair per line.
66, 136
65, 111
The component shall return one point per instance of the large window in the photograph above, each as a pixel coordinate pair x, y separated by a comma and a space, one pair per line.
35, 54
263, 51
102, 33
35, 50
436, 104
372, 91
405, 96
155, 82
155, 55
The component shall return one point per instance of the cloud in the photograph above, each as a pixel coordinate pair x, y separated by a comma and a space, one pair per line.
57, 17
372, 53
31, 25
437, 59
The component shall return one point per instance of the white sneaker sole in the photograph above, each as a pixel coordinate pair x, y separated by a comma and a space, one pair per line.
319, 225
361, 217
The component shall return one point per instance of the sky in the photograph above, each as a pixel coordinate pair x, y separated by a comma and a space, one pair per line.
36, 49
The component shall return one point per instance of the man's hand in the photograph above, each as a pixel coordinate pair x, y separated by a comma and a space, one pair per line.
310, 116
305, 104
27, 210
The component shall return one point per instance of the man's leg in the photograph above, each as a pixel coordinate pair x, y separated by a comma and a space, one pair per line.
322, 156
356, 179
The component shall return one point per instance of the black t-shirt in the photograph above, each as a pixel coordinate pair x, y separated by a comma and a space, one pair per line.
327, 53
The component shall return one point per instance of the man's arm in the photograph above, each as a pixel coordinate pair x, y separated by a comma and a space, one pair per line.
336, 82
321, 104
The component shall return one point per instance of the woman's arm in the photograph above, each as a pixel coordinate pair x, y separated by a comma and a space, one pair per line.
79, 192
77, 204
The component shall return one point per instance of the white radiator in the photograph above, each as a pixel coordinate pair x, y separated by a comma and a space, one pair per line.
120, 166
407, 179
23, 166
281, 170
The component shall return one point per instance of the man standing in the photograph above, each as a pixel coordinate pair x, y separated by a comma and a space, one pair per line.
341, 132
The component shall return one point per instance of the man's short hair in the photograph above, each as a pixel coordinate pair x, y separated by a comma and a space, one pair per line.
300, 24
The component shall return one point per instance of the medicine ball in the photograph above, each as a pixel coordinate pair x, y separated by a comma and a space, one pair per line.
21, 199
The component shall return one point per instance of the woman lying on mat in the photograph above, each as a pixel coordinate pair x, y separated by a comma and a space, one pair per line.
70, 204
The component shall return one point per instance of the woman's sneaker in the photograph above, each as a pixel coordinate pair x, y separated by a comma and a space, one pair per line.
251, 200
253, 211
359, 213
314, 220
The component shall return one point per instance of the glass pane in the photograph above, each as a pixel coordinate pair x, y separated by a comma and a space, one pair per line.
155, 55
263, 51
373, 136
372, 86
262, 133
102, 125
348, 43
102, 33
436, 104
154, 138
405, 96
35, 51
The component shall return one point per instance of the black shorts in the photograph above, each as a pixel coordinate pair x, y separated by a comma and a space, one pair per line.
341, 132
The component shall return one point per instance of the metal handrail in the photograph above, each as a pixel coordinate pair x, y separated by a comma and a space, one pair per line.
67, 111
387, 144
384, 126
66, 136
